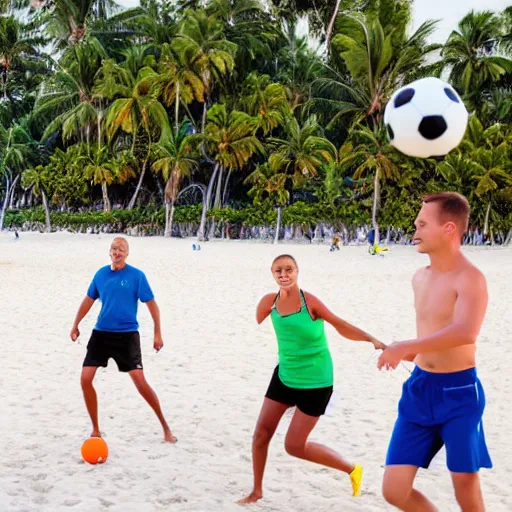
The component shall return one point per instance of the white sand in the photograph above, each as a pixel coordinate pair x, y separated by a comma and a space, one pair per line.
211, 377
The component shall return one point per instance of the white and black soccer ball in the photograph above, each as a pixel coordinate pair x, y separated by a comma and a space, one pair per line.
426, 118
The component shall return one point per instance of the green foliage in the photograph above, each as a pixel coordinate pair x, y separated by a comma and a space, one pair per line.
132, 107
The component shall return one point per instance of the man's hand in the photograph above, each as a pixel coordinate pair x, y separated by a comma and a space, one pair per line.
158, 342
75, 333
392, 355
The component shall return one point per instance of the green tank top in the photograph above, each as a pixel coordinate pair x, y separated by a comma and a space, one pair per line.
304, 358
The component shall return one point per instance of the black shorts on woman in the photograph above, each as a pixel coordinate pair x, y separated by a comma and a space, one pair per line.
312, 402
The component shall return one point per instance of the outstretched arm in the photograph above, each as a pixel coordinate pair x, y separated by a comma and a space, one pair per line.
84, 308
349, 331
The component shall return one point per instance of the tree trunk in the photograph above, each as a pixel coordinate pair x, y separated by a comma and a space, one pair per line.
278, 224
206, 202
171, 218
131, 204
46, 212
7, 65
169, 215
508, 239
330, 27
177, 107
217, 202
211, 235
4, 204
88, 136
107, 207
8, 188
11, 199
487, 215
203, 118
375, 207
225, 194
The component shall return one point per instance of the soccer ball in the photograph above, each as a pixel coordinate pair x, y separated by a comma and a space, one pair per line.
425, 118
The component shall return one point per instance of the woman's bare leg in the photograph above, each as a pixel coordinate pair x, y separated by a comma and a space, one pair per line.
270, 415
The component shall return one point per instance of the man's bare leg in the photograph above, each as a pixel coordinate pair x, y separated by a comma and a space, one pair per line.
150, 396
398, 491
468, 492
90, 397
270, 415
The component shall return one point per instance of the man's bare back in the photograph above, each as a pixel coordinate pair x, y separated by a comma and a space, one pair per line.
435, 300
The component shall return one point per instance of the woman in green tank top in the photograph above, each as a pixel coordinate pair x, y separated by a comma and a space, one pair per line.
303, 377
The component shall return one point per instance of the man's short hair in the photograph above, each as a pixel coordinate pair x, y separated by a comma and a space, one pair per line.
453, 207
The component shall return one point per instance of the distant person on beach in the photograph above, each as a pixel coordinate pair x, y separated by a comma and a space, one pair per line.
119, 287
303, 377
335, 245
371, 237
16, 234
443, 400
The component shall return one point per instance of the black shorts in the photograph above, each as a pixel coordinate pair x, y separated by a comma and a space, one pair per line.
122, 347
312, 402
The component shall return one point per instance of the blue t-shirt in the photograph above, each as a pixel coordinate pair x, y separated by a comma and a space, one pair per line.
119, 292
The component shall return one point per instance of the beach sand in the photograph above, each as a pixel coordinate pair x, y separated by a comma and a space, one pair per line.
211, 377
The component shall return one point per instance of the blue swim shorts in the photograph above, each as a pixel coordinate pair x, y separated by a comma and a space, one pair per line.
439, 409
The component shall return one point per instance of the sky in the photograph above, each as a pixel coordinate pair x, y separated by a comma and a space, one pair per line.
430, 9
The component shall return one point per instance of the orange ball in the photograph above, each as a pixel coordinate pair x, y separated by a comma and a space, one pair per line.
94, 450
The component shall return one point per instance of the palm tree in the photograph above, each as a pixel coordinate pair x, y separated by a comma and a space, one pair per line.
67, 96
303, 151
37, 178
102, 168
487, 154
98, 168
265, 100
230, 141
136, 107
157, 25
67, 19
250, 28
269, 181
498, 106
372, 154
296, 67
201, 42
175, 161
179, 81
298, 157
377, 64
16, 46
64, 178
470, 68
15, 147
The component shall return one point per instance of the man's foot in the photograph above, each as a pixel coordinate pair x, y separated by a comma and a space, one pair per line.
95, 433
252, 498
168, 437
356, 479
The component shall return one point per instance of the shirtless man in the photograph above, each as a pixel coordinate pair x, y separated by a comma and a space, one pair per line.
119, 286
443, 400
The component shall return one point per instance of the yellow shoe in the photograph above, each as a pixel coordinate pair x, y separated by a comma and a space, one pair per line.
356, 479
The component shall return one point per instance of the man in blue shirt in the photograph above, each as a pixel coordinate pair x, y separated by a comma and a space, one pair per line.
119, 287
